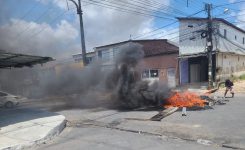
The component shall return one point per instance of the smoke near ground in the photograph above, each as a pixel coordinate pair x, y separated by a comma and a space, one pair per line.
94, 85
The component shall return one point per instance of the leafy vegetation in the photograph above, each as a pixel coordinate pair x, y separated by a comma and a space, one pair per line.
242, 77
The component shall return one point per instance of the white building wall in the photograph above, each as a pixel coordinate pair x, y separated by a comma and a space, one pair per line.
230, 59
190, 41
109, 55
233, 42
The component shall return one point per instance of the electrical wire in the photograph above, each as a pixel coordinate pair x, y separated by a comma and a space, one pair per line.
162, 27
28, 12
142, 7
227, 4
163, 6
36, 20
118, 8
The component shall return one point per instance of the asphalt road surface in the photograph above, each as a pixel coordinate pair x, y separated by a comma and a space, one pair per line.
101, 128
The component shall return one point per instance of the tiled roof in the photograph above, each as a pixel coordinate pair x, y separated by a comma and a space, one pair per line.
150, 47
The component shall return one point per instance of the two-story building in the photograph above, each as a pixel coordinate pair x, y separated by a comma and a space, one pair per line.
228, 50
90, 56
160, 60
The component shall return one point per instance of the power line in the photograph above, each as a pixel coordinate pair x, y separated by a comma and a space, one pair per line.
37, 19
141, 7
157, 5
28, 12
60, 15
195, 4
142, 35
146, 9
171, 33
52, 21
184, 29
227, 4
183, 35
122, 9
235, 16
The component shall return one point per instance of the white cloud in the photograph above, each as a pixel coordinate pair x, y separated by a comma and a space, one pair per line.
101, 25
104, 26
60, 3
49, 42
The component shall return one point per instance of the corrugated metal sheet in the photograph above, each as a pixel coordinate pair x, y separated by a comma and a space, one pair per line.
8, 60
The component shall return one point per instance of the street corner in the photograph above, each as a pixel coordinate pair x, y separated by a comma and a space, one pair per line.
25, 128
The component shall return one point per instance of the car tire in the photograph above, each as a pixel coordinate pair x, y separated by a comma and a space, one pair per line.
9, 104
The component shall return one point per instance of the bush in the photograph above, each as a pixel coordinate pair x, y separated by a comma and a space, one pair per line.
242, 77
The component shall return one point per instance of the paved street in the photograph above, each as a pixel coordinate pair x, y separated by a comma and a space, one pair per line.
99, 128
95, 138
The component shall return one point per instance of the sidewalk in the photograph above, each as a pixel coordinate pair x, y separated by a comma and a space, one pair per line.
24, 128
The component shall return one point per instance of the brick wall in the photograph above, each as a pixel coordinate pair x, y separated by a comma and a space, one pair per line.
161, 62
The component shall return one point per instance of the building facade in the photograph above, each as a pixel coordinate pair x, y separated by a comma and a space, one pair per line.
160, 61
228, 50
90, 56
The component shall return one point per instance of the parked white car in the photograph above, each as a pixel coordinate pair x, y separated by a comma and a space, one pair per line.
8, 100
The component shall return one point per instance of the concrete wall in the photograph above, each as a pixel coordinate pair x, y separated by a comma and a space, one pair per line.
233, 42
190, 41
228, 65
230, 47
108, 54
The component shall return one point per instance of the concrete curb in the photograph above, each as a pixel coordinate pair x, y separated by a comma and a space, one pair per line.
53, 133
45, 131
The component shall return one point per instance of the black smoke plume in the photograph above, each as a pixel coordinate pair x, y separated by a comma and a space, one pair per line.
92, 86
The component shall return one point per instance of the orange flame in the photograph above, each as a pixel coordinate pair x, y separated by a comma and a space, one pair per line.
184, 99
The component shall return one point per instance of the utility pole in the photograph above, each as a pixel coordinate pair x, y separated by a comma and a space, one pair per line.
80, 13
208, 8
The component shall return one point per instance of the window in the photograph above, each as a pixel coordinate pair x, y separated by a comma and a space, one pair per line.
225, 33
115, 51
3, 94
154, 73
235, 37
243, 40
150, 73
145, 74
106, 55
100, 54
89, 60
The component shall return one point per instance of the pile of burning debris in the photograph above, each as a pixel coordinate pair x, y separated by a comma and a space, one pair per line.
187, 100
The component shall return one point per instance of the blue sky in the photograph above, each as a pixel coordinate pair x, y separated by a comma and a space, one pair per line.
46, 27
